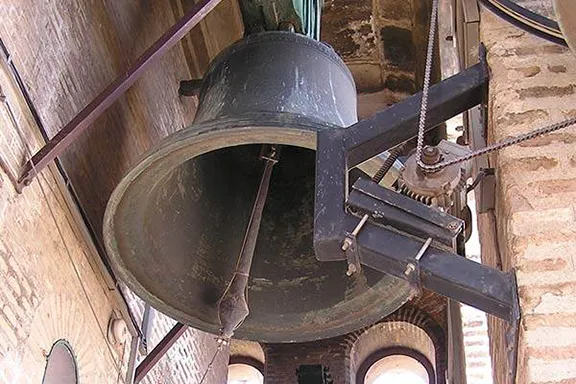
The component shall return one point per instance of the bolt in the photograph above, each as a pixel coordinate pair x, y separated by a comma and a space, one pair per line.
430, 155
286, 26
222, 340
453, 226
347, 243
413, 293
409, 269
351, 269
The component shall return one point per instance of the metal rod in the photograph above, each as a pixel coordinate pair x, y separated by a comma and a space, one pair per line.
130, 369
159, 351
233, 308
146, 328
65, 137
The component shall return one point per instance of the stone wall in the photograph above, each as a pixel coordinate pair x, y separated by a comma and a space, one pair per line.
408, 327
50, 286
383, 43
188, 359
67, 52
533, 84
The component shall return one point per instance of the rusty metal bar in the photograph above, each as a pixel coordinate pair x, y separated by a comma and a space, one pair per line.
63, 139
233, 308
159, 351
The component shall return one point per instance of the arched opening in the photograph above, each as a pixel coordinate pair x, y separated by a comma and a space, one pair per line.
61, 365
396, 366
376, 342
246, 364
397, 369
239, 373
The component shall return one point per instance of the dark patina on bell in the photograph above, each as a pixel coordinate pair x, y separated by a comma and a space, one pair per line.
175, 224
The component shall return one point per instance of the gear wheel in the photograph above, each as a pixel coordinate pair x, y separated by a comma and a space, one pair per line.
405, 190
434, 188
445, 189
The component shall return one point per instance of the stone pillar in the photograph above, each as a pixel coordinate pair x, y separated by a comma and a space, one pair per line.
533, 84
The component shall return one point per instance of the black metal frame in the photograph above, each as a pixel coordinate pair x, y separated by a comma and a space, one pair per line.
398, 226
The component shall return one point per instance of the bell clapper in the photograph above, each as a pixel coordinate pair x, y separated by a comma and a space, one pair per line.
233, 306
190, 200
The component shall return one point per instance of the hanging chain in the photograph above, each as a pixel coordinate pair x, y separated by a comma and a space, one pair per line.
479, 152
426, 86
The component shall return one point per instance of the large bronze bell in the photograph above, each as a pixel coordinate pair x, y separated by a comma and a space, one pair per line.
175, 224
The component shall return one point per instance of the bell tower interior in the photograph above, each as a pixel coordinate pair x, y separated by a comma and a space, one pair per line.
287, 191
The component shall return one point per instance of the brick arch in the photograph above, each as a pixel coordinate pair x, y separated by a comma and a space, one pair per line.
246, 360
408, 327
418, 357
247, 352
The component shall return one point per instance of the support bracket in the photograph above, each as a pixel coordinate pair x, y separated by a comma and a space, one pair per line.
159, 351
88, 115
398, 228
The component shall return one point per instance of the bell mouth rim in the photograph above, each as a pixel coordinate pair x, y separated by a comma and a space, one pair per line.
199, 139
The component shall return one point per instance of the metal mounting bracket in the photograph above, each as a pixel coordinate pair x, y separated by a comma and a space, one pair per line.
397, 227
84, 119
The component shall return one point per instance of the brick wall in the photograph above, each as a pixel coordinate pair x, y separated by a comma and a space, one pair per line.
475, 324
386, 335
188, 359
66, 52
50, 287
282, 360
534, 84
383, 43
408, 327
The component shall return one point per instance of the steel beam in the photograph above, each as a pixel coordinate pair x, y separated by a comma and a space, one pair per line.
159, 351
65, 137
399, 122
391, 240
146, 328
440, 271
340, 150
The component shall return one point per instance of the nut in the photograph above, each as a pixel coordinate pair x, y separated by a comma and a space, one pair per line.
430, 155
409, 269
